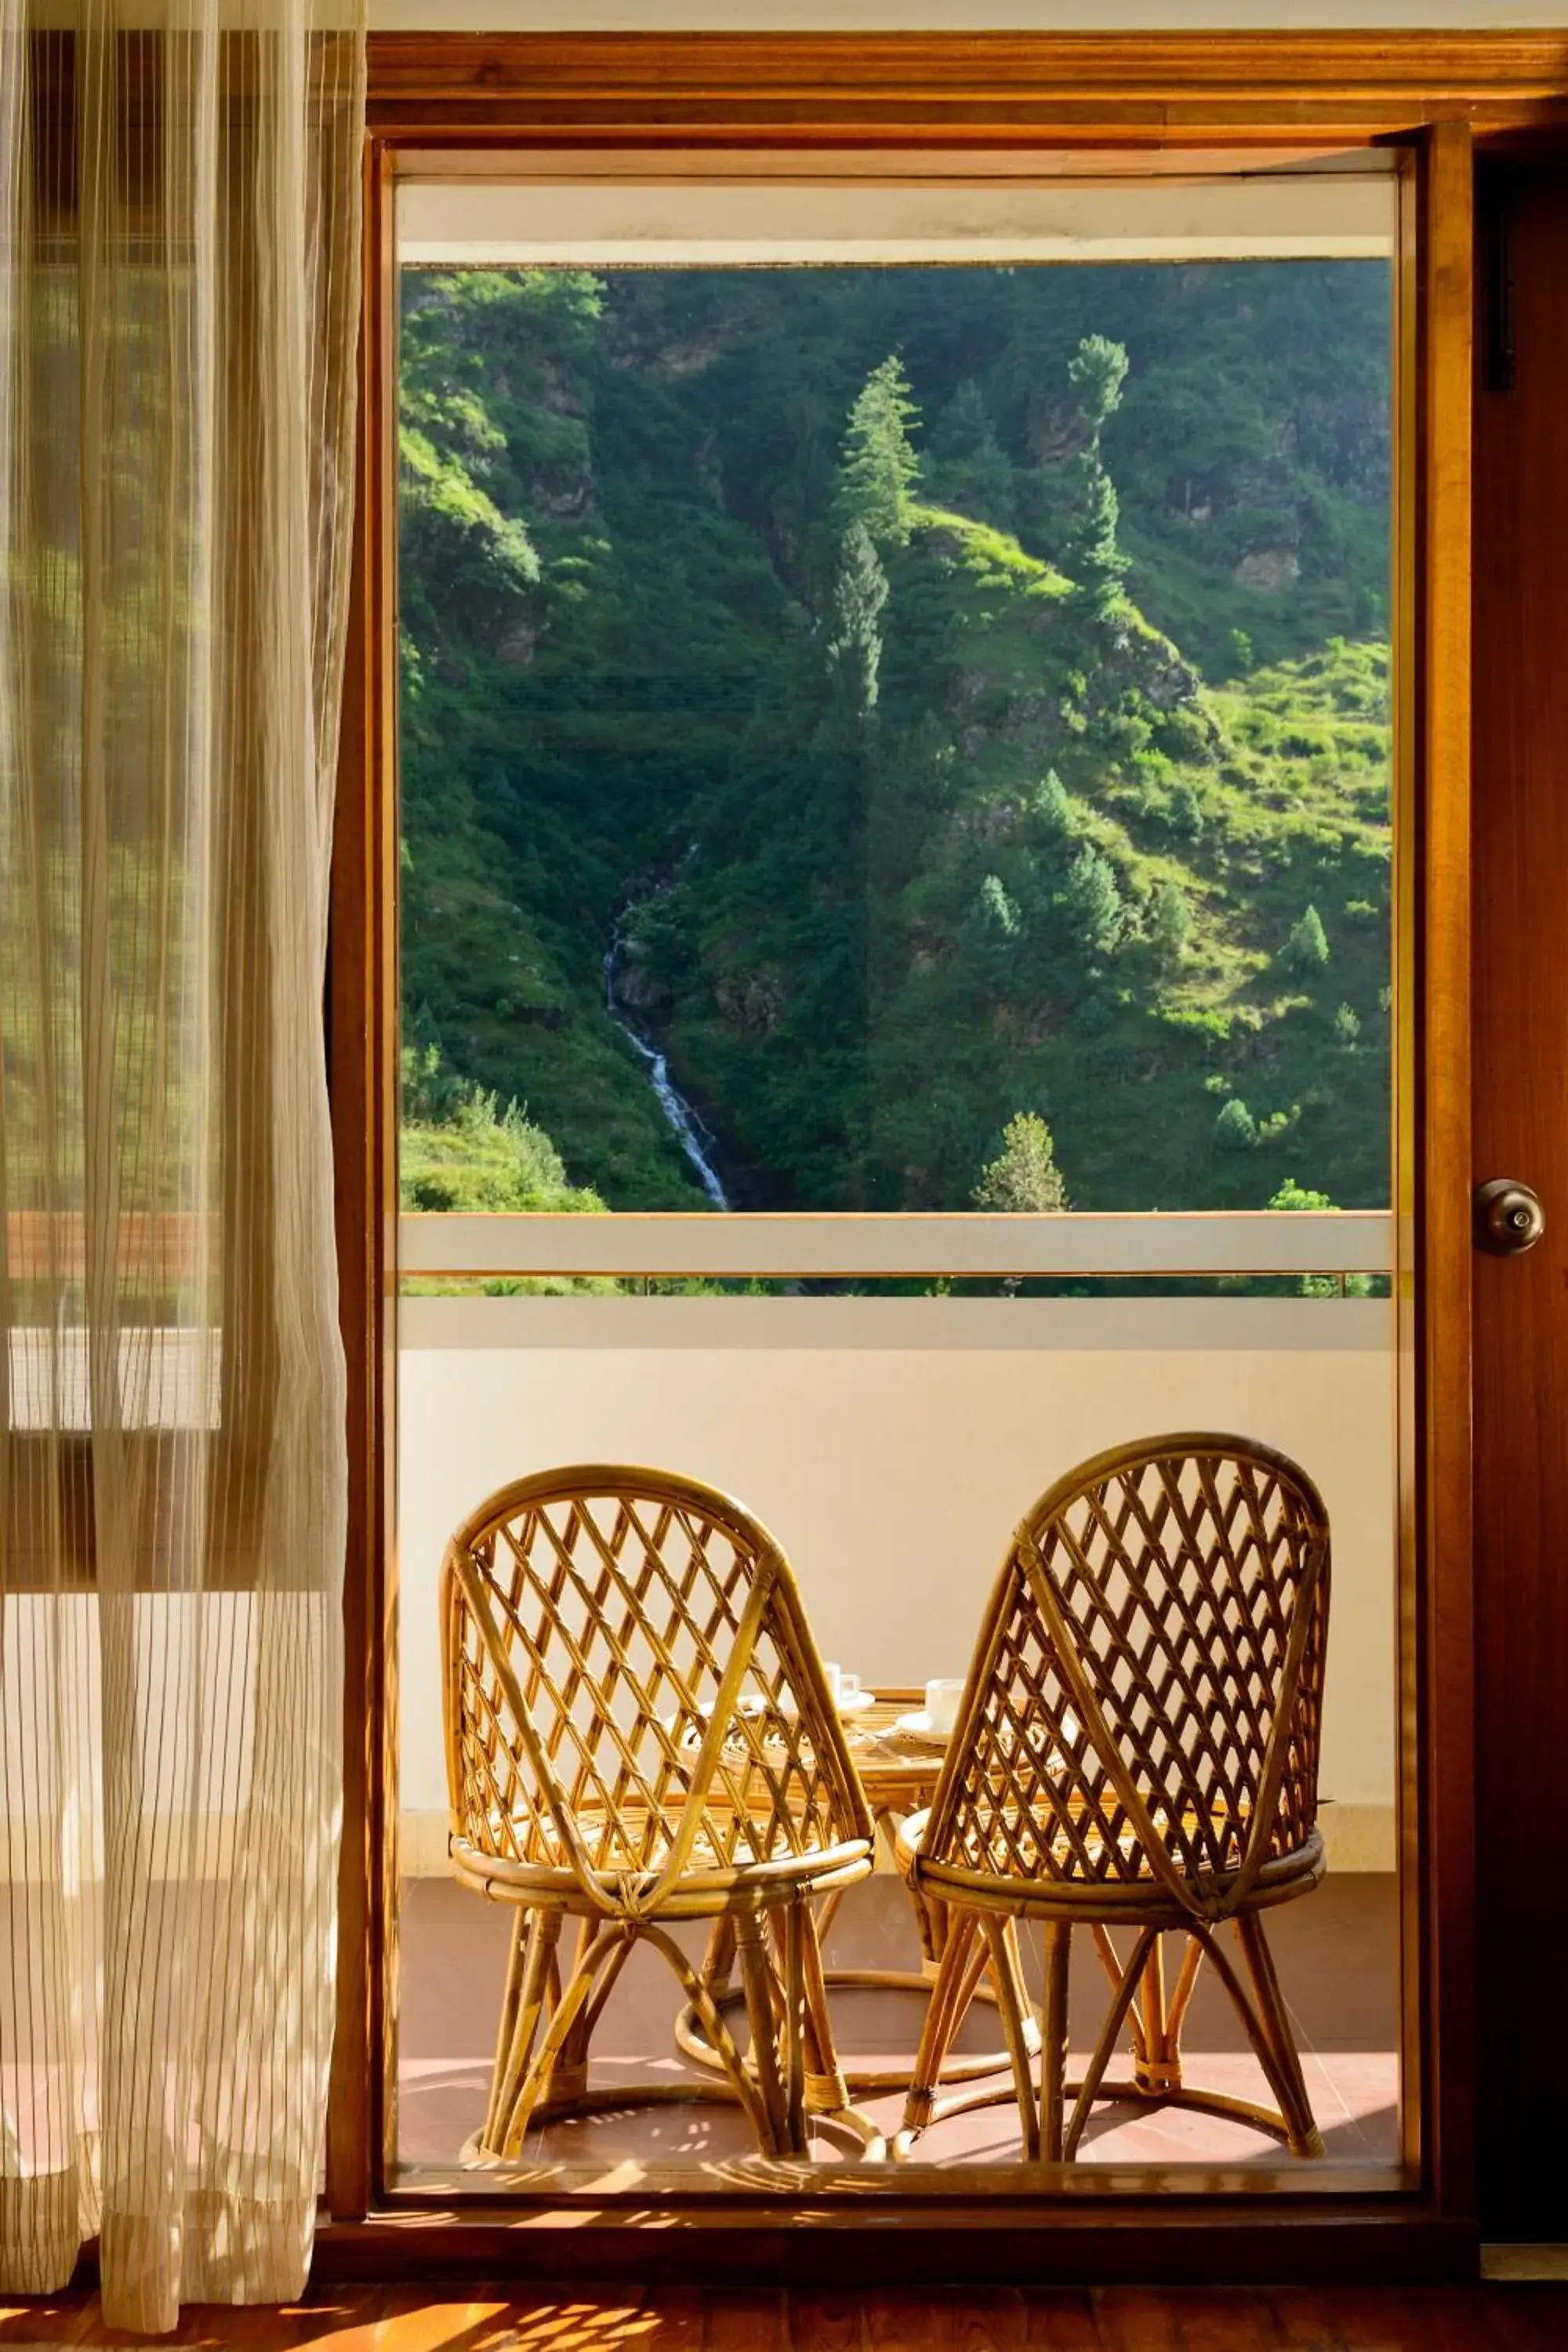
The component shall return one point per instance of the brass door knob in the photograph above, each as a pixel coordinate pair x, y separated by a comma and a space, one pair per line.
1510, 1218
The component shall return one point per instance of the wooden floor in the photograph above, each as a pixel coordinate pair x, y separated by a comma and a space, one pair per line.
1439, 2319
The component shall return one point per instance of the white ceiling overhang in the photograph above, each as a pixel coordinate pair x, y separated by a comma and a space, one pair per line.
591, 212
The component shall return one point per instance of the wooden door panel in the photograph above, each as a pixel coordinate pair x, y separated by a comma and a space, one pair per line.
1520, 1130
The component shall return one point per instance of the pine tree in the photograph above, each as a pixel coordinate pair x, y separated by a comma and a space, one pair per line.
997, 908
989, 941
1092, 558
1170, 921
1093, 901
878, 467
972, 472
1052, 806
1097, 371
1235, 1129
1024, 1178
855, 637
1306, 949
1186, 813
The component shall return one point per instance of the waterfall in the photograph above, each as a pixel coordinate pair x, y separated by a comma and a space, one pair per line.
684, 1123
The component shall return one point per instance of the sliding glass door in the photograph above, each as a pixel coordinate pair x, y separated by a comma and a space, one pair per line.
897, 872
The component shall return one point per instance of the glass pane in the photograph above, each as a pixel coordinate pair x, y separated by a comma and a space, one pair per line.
899, 739
896, 738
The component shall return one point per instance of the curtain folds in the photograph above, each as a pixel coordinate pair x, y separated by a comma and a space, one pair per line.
179, 303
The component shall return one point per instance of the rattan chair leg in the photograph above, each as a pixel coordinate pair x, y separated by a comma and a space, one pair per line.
1296, 2105
941, 2022
827, 2092
1106, 1949
719, 1959
1186, 1978
1006, 1976
569, 2076
1054, 2039
789, 2008
1156, 2067
712, 2019
797, 1924
761, 1990
607, 1944
522, 1931
570, 2079
532, 1965
1148, 2000
1115, 2017
931, 1917
1301, 2132
943, 2015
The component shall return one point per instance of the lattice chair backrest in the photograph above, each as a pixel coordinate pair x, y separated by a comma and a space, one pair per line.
632, 1689
1146, 1698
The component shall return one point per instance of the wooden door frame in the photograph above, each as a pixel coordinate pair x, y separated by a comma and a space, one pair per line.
1434, 96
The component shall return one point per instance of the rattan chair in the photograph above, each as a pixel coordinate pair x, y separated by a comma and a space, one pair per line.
639, 1732
1136, 1748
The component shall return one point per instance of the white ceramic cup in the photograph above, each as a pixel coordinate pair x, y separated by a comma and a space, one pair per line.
844, 1685
942, 1702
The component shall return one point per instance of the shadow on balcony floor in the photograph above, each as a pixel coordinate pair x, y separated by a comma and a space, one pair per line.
1337, 1954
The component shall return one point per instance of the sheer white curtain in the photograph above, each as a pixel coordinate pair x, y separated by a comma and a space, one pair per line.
179, 251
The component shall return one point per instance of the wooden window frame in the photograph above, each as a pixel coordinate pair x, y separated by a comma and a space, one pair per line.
1438, 98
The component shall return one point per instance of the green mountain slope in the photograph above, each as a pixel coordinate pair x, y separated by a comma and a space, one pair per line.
1025, 752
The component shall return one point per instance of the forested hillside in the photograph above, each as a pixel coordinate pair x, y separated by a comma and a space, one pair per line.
941, 714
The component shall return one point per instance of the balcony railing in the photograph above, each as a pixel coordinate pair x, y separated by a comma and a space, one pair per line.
1087, 1244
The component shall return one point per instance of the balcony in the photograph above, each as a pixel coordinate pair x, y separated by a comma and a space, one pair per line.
890, 1443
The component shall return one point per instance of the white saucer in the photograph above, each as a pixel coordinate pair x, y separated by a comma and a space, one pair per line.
919, 1726
751, 1705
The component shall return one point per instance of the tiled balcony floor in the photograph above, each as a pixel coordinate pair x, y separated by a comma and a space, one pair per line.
1336, 1951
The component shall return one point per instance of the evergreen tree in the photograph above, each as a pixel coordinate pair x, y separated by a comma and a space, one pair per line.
1186, 813
1096, 371
1092, 558
971, 470
1170, 921
1306, 949
1235, 1129
998, 909
989, 941
878, 467
854, 638
1024, 1178
1052, 806
1093, 901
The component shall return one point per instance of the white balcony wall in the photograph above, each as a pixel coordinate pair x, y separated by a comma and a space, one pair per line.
890, 1444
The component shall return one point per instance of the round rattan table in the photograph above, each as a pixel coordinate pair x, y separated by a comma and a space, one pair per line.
899, 1771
